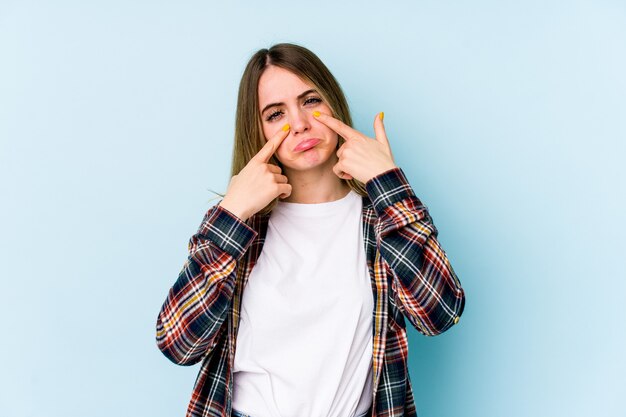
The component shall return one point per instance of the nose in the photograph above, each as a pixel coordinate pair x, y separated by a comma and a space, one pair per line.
300, 121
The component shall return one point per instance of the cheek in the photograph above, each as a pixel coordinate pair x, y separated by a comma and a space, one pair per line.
281, 153
267, 132
334, 138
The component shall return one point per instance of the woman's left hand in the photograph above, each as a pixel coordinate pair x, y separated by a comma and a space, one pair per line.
360, 157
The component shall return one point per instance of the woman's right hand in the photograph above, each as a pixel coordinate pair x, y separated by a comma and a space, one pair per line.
258, 183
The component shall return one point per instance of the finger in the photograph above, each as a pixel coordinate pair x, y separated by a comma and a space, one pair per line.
274, 169
381, 135
337, 169
340, 151
281, 179
285, 190
272, 144
337, 125
379, 129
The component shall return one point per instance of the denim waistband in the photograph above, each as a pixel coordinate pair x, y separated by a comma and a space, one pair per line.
239, 414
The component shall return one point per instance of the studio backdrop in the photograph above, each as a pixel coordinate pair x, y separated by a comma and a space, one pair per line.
117, 118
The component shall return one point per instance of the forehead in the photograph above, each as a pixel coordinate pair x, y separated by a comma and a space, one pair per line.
278, 85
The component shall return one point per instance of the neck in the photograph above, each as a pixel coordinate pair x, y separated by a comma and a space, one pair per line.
318, 185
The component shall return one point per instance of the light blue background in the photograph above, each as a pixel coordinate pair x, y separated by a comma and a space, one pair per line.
116, 117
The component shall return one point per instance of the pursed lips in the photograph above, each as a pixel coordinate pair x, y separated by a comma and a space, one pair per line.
306, 144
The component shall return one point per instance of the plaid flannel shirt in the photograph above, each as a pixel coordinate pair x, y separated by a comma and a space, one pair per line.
410, 274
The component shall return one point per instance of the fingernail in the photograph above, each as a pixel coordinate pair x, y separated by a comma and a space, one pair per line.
286, 127
382, 115
316, 113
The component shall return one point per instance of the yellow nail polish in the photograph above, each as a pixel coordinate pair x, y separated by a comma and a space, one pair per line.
382, 115
286, 127
316, 113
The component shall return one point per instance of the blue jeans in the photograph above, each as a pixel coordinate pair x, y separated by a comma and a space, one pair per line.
238, 414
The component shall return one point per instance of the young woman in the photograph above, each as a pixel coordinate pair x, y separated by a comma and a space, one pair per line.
298, 282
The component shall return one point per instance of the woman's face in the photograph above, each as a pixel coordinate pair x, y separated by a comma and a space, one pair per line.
286, 98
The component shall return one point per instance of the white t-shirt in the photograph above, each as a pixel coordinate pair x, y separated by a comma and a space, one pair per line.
304, 345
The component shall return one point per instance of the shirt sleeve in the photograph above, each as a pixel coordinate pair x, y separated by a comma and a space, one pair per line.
426, 288
192, 315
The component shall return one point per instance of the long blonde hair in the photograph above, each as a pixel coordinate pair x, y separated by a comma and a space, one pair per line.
249, 137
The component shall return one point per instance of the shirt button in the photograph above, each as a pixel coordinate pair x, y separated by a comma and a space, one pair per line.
456, 319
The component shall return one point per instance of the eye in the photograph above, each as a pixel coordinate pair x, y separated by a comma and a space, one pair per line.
273, 116
312, 100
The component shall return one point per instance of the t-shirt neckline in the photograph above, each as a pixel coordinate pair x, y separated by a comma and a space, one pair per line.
315, 208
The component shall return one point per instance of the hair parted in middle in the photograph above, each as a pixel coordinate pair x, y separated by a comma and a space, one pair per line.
249, 137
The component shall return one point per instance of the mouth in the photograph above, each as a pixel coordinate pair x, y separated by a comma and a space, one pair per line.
306, 144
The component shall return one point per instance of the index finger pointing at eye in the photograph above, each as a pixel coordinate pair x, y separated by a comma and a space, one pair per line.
272, 145
337, 125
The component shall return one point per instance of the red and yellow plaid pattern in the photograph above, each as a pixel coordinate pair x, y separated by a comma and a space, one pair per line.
411, 277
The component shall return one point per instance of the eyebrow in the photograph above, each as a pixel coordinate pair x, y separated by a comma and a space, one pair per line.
312, 90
